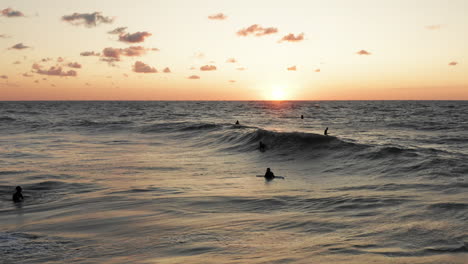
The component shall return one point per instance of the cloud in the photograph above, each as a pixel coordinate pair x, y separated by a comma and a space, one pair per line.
167, 70
8, 12
118, 31
257, 31
433, 27
208, 68
453, 63
27, 75
113, 54
53, 71
232, 81
363, 52
317, 70
231, 60
193, 77
59, 59
90, 53
292, 68
135, 37
291, 38
4, 36
17, 62
199, 55
3, 76
87, 19
219, 16
241, 69
143, 68
19, 46
75, 65
45, 59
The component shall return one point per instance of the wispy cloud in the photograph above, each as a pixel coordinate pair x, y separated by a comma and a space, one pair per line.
363, 52
317, 70
193, 77
199, 55
167, 70
27, 75
208, 68
433, 27
143, 68
113, 54
453, 63
3, 77
256, 30
232, 81
292, 68
231, 60
19, 46
292, 38
118, 31
135, 37
17, 62
75, 65
90, 53
53, 71
241, 69
8, 12
4, 36
87, 19
219, 16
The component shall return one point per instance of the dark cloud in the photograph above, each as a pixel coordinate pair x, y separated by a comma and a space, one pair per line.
19, 46
90, 53
8, 12
3, 76
257, 31
118, 31
193, 77
75, 65
53, 71
143, 68
291, 38
453, 63
167, 70
135, 37
208, 68
231, 60
114, 54
433, 27
292, 68
219, 16
363, 52
87, 19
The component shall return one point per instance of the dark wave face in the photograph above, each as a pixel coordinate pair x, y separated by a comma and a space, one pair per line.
176, 182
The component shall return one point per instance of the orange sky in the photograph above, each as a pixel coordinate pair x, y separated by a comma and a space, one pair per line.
234, 50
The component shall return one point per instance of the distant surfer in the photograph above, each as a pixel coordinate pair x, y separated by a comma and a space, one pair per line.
17, 196
325, 132
262, 146
237, 122
269, 175
302, 116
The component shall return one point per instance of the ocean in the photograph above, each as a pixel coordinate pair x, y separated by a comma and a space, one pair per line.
176, 182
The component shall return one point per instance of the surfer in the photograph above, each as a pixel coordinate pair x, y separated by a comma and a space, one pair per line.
17, 196
237, 122
269, 174
325, 132
262, 146
302, 116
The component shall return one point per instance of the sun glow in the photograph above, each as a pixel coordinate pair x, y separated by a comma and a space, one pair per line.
278, 93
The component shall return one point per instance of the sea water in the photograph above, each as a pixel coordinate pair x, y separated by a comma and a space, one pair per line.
175, 182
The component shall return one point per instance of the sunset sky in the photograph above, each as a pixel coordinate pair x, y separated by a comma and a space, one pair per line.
234, 50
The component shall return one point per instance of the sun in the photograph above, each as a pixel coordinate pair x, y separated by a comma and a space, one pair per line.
278, 93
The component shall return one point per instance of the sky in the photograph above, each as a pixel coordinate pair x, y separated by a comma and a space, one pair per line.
234, 50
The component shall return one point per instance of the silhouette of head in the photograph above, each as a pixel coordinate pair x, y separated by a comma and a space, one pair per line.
18, 189
268, 169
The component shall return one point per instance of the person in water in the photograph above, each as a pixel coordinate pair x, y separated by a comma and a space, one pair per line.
269, 174
325, 132
262, 146
17, 196
302, 116
237, 122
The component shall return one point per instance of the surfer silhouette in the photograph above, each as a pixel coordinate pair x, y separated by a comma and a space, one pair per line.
325, 132
269, 174
17, 196
262, 146
302, 116
237, 122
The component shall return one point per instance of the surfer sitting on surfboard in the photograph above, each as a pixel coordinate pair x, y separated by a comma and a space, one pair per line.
269, 174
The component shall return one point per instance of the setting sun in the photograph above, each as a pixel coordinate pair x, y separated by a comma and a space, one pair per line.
278, 93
